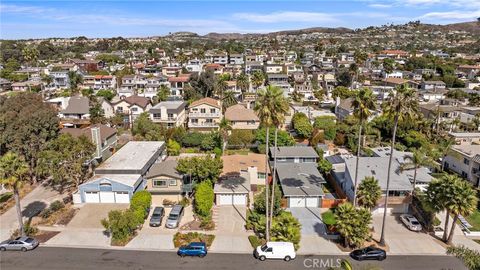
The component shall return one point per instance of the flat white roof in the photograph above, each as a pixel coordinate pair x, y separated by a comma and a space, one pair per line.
126, 179
132, 156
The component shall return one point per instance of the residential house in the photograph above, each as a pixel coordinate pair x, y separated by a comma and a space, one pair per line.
25, 86
87, 66
242, 118
166, 184
465, 138
73, 111
205, 114
131, 107
233, 190
464, 160
433, 85
121, 175
274, 69
220, 59
177, 84
236, 59
169, 113
5, 85
253, 164
103, 137
215, 68
60, 80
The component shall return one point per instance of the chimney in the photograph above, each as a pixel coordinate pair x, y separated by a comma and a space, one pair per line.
97, 141
253, 172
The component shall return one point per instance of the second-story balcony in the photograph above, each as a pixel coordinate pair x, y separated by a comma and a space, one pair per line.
203, 124
164, 119
203, 115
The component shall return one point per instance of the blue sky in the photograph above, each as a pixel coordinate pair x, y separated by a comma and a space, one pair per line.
109, 18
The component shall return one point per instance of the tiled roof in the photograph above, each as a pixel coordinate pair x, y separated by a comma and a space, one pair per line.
209, 101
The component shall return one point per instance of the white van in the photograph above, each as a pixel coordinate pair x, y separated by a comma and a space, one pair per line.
275, 250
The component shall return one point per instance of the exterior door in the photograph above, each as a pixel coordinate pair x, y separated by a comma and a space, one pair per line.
122, 197
239, 199
225, 199
107, 197
312, 202
92, 197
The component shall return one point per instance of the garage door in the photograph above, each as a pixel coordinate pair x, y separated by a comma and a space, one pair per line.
122, 197
107, 197
296, 202
312, 202
229, 199
91, 197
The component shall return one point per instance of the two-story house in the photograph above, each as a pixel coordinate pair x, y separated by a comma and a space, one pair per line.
169, 113
242, 118
131, 107
205, 114
465, 160
296, 171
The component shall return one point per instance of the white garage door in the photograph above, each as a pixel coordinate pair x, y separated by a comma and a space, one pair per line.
239, 199
107, 197
91, 197
296, 202
122, 197
312, 202
229, 199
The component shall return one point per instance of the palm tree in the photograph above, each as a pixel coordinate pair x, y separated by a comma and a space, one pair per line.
369, 192
243, 82
271, 107
401, 105
13, 170
30, 55
74, 79
224, 127
228, 100
418, 159
363, 104
220, 87
258, 78
464, 202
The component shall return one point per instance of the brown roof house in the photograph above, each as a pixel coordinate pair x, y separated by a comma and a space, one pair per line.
205, 115
131, 107
241, 117
103, 137
165, 183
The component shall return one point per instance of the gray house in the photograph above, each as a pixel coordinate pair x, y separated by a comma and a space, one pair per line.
294, 154
122, 174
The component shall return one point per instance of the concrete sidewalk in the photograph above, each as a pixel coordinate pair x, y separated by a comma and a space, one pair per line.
459, 237
34, 202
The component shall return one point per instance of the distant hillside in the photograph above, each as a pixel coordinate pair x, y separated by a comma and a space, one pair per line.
471, 27
338, 30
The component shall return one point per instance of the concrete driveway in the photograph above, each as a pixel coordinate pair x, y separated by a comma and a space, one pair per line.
85, 228
230, 233
313, 239
403, 241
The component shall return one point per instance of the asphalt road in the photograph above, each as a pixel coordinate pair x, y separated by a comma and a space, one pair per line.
99, 259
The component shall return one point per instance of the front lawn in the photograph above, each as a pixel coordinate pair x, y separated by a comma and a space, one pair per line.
474, 220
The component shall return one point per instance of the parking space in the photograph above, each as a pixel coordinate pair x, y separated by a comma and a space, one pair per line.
85, 228
311, 220
403, 241
230, 233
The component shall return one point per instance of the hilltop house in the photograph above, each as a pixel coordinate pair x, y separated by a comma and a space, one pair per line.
204, 115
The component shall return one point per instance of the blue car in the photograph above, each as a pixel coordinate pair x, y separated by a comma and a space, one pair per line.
193, 249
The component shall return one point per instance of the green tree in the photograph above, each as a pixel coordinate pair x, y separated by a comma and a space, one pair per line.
369, 192
327, 124
418, 159
286, 228
64, 159
284, 138
204, 198
401, 105
107, 94
228, 100
363, 104
301, 125
259, 202
75, 79
352, 224
324, 166
241, 138
271, 107
13, 170
243, 82
173, 148
344, 78
224, 129
26, 125
258, 78
163, 93
144, 128
201, 168
342, 92
121, 225
30, 55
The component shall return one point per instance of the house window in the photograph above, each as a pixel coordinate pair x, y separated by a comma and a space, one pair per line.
172, 182
170, 115
134, 109
212, 110
202, 110
157, 115
466, 161
464, 174
209, 120
261, 175
160, 183
119, 109
195, 121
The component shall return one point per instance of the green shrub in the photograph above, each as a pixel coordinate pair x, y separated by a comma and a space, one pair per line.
141, 199
207, 223
259, 202
255, 241
173, 148
180, 239
285, 227
121, 225
217, 151
46, 213
56, 205
208, 143
185, 202
436, 222
328, 218
5, 196
193, 139
327, 124
204, 198
241, 138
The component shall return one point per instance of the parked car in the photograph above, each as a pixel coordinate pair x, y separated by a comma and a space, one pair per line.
157, 217
175, 217
411, 222
275, 250
193, 249
369, 253
19, 243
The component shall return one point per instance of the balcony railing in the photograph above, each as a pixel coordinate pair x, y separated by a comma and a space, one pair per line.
206, 115
204, 124
167, 119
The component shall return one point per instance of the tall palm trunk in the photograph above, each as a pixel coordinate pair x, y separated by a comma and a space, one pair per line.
273, 177
19, 211
267, 231
452, 230
445, 227
382, 236
356, 166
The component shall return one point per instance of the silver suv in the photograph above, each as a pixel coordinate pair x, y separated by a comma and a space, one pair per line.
175, 216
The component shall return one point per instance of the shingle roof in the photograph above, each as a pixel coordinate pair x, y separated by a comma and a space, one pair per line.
172, 106
136, 100
300, 179
240, 113
167, 168
77, 105
294, 151
105, 131
238, 184
209, 101
235, 163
